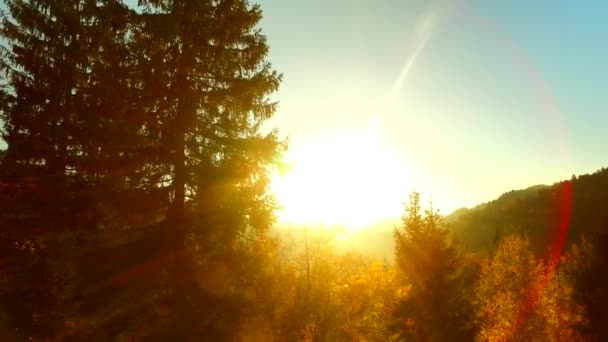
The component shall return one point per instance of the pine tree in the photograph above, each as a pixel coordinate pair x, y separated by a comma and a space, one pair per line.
38, 113
70, 119
135, 119
70, 128
424, 256
206, 85
208, 59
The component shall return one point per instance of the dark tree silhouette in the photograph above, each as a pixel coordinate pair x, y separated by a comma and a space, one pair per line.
68, 127
136, 169
207, 68
427, 260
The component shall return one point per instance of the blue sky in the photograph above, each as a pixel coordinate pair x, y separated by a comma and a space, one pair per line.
503, 95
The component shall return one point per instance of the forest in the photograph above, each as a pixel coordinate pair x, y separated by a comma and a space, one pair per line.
135, 203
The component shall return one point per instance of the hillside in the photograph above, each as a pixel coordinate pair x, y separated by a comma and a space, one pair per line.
538, 212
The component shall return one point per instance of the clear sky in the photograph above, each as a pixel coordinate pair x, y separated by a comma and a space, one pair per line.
470, 99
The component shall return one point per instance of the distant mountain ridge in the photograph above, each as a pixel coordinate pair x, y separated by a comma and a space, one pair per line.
537, 212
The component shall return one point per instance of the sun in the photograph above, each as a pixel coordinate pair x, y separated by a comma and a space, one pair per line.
345, 179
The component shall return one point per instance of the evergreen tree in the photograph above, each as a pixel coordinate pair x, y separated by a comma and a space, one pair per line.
70, 121
123, 119
433, 310
212, 84
205, 85
72, 132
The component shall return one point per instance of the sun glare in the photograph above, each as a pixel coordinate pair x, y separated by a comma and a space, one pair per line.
343, 179
350, 179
